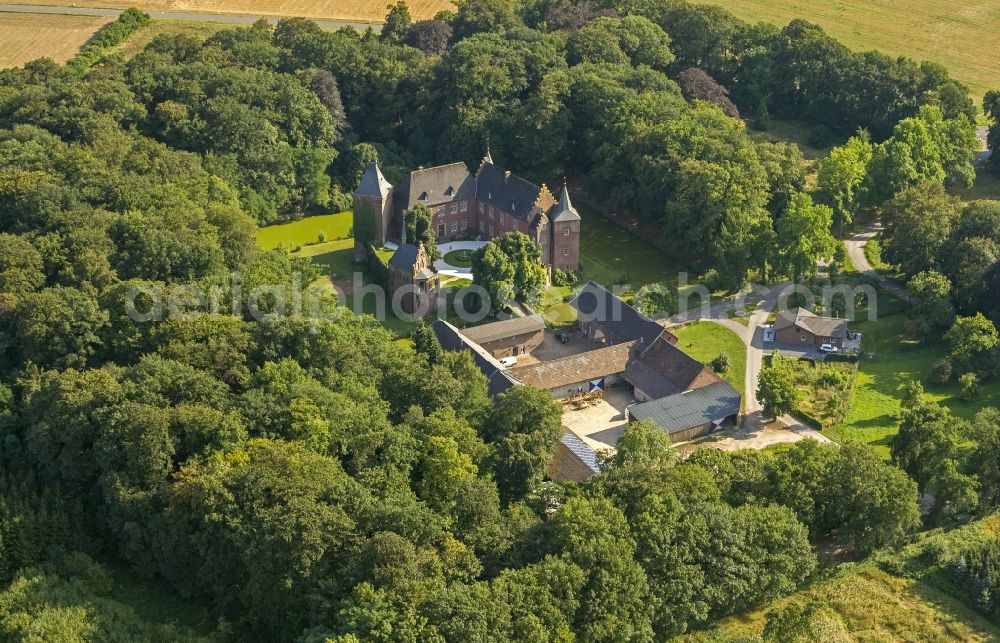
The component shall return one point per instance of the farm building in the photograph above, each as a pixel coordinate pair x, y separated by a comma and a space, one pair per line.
691, 414
576, 374
451, 339
573, 460
800, 326
662, 369
515, 336
605, 319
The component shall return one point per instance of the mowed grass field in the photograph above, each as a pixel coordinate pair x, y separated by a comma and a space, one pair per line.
348, 10
26, 36
306, 231
959, 35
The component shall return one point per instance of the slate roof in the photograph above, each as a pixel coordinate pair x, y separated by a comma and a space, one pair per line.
683, 411
506, 190
436, 185
506, 329
820, 326
662, 369
372, 183
580, 449
595, 303
404, 257
451, 339
564, 210
581, 367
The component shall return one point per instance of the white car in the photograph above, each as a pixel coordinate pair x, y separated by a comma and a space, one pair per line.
507, 362
827, 348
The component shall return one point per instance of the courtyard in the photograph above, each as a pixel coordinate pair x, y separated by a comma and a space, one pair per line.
601, 422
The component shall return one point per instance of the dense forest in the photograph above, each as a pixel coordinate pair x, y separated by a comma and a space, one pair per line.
312, 479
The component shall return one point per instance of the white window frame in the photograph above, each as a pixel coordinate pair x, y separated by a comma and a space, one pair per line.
566, 231
463, 206
565, 252
465, 225
454, 226
454, 208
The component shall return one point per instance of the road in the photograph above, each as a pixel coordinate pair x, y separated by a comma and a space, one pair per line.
856, 252
198, 16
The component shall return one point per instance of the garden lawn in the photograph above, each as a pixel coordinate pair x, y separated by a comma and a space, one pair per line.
306, 231
610, 254
459, 258
704, 341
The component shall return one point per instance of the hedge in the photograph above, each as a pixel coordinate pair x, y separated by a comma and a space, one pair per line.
808, 419
111, 36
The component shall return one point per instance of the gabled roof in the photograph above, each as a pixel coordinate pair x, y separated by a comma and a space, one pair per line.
663, 369
506, 329
820, 326
564, 210
573, 369
596, 304
497, 380
373, 184
581, 450
683, 411
506, 191
404, 257
435, 185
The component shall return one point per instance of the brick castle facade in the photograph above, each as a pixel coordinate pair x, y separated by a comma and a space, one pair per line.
464, 205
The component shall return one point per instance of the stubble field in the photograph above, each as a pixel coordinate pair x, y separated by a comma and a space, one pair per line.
26, 37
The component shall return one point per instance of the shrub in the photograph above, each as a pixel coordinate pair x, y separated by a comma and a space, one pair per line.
969, 384
656, 300
941, 371
340, 201
564, 277
722, 363
321, 236
821, 136
114, 34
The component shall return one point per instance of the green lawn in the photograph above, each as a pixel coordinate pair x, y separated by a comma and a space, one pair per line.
895, 359
459, 258
305, 231
779, 131
705, 340
610, 254
987, 186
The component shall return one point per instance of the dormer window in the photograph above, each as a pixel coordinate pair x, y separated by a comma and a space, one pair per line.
450, 191
422, 197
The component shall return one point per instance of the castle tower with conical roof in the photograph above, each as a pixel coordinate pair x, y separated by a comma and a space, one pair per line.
565, 226
372, 211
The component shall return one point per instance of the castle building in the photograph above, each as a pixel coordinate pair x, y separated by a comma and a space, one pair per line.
464, 205
412, 274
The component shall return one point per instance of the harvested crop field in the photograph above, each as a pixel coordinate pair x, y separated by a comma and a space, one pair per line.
27, 36
349, 10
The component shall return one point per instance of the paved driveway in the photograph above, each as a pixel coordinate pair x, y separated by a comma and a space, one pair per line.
856, 252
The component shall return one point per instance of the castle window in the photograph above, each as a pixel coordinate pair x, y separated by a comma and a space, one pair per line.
463, 206
454, 226
465, 224
454, 208
565, 252
501, 218
482, 208
566, 231
492, 211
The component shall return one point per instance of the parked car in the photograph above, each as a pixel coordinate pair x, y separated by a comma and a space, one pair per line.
827, 348
507, 362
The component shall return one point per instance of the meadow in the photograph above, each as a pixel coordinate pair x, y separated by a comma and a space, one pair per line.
960, 36
28, 36
892, 359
